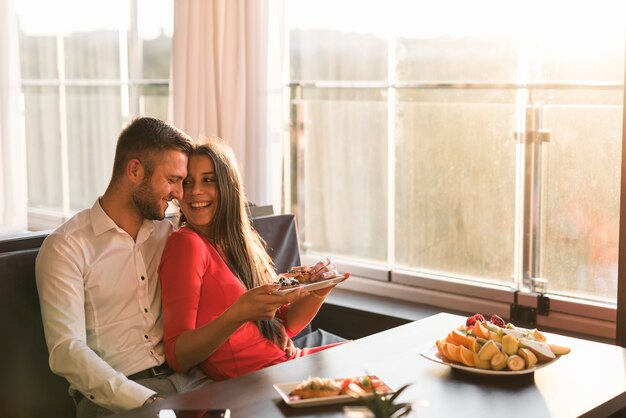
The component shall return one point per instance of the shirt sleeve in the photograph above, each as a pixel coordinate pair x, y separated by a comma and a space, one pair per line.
59, 274
183, 263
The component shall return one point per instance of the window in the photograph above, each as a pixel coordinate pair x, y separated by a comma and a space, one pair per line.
465, 146
86, 74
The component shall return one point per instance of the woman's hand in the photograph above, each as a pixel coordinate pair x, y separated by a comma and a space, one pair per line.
323, 269
261, 303
286, 344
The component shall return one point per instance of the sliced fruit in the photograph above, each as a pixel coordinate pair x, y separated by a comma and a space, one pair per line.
515, 362
481, 364
514, 332
494, 328
498, 361
464, 340
488, 350
510, 344
467, 356
480, 330
450, 338
559, 350
495, 336
529, 357
541, 349
538, 335
451, 352
439, 345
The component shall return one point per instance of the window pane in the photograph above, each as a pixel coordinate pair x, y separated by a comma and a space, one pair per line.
333, 55
467, 58
154, 101
455, 183
38, 57
345, 171
43, 146
92, 55
155, 28
581, 198
94, 122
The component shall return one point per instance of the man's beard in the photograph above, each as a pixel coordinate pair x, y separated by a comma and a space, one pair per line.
148, 205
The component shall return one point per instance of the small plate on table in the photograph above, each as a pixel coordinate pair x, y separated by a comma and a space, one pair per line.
433, 354
309, 287
284, 389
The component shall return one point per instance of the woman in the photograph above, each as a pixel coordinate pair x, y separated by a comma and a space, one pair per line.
216, 278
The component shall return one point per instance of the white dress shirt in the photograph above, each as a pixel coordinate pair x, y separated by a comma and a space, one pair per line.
101, 305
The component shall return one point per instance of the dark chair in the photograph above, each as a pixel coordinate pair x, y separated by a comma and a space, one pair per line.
281, 238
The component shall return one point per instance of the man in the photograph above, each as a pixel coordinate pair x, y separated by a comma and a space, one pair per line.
97, 279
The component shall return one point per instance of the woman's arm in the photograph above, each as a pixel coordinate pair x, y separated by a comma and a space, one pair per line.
195, 345
302, 311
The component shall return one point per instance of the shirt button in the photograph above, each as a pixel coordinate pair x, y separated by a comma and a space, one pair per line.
145, 310
145, 336
91, 397
143, 278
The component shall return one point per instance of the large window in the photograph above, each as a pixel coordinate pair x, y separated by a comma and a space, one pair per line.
457, 140
87, 69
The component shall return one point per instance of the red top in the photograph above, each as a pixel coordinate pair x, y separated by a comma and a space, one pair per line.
197, 287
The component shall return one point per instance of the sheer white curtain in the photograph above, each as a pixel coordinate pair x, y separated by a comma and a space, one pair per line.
226, 70
13, 194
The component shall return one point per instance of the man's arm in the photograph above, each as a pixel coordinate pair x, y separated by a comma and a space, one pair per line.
60, 284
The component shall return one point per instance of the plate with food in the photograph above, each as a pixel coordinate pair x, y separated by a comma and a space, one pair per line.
300, 278
494, 347
325, 391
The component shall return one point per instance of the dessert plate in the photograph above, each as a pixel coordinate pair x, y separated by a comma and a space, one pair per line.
309, 287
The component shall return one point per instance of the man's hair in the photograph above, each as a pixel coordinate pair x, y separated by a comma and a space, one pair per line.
143, 139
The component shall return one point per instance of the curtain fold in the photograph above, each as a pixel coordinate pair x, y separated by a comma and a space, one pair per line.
220, 85
13, 192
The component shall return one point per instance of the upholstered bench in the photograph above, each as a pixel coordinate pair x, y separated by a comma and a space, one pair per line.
27, 386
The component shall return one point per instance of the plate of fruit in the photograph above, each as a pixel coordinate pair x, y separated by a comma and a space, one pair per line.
325, 391
494, 347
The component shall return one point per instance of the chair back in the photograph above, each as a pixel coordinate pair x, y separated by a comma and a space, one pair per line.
281, 238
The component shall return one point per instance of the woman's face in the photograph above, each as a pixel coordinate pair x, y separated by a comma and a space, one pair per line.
199, 201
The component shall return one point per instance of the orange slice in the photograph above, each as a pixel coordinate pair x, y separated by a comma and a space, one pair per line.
467, 356
465, 340
480, 330
439, 345
451, 352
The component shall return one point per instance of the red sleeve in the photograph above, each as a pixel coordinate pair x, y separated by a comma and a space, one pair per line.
183, 263
281, 314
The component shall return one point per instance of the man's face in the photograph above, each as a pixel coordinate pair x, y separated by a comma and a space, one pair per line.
153, 194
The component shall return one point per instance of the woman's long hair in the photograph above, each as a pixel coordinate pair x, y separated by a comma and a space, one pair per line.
231, 230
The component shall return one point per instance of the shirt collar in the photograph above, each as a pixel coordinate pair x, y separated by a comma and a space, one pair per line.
101, 223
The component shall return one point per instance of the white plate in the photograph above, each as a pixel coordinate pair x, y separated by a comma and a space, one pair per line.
284, 389
313, 286
432, 354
